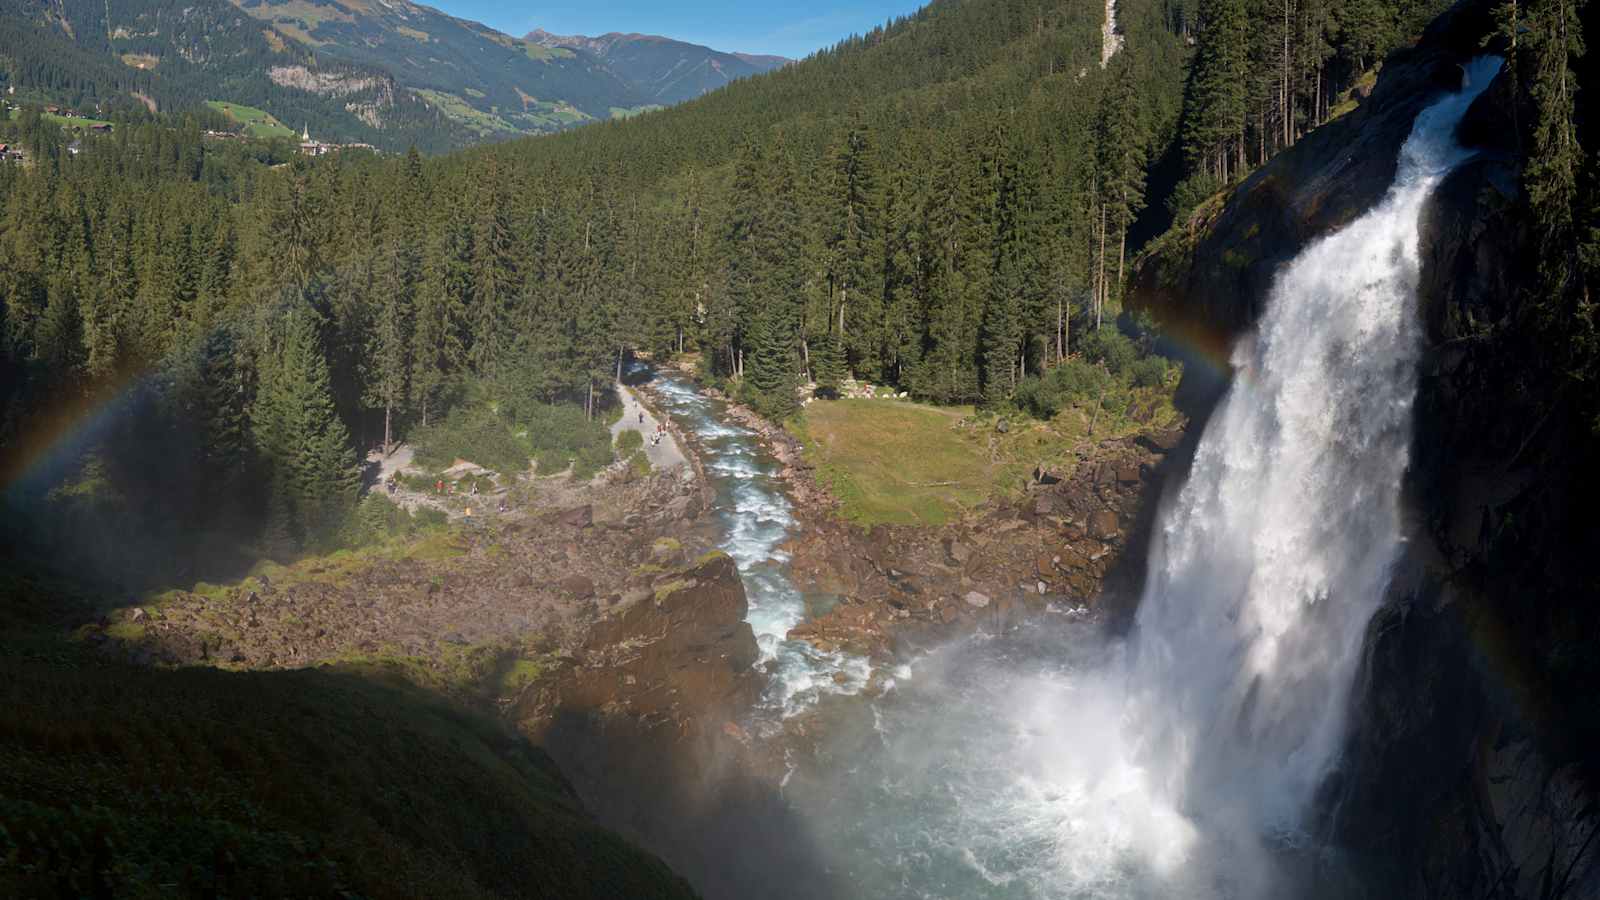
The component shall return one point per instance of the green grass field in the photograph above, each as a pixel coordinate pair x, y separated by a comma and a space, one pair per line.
898, 463
63, 121
258, 123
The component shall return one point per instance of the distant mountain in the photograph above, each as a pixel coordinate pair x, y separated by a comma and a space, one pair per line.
665, 70
389, 73
493, 84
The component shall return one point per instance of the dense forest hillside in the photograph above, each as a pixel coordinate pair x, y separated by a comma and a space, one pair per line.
668, 71
943, 205
392, 74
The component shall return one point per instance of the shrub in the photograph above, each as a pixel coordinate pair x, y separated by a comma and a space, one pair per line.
1111, 348
1190, 193
639, 463
1150, 372
629, 441
1072, 382
476, 435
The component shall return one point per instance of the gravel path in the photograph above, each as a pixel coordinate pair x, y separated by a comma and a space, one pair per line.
663, 456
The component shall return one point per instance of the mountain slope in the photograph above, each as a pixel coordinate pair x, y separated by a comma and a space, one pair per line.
667, 71
389, 74
510, 85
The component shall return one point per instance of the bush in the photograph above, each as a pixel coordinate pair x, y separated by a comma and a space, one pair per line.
1150, 372
374, 520
1190, 193
639, 463
475, 435
552, 462
629, 441
561, 436
1072, 382
1111, 348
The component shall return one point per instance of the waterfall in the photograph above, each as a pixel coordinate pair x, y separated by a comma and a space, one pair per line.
1110, 40
1278, 549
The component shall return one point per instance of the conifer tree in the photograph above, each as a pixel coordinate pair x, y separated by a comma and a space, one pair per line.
312, 472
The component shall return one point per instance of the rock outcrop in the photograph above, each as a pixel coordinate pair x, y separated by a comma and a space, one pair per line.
676, 657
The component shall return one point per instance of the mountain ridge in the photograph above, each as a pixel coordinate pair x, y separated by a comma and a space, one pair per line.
669, 70
391, 74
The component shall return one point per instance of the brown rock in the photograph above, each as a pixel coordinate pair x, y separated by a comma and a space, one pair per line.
578, 517
958, 552
1045, 566
1128, 474
1103, 524
579, 587
977, 600
1160, 441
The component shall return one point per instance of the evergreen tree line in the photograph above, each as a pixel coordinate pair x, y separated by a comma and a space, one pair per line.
948, 206
1265, 72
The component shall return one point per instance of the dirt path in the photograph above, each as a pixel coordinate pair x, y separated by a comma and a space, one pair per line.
663, 456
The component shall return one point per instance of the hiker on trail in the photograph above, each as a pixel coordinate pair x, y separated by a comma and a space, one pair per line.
474, 489
438, 486
452, 488
641, 417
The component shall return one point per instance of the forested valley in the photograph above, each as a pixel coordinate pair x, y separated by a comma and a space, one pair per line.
948, 205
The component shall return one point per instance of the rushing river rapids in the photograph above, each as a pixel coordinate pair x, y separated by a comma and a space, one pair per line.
756, 517
1181, 761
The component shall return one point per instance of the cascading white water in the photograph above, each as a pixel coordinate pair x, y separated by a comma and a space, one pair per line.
1181, 763
1279, 547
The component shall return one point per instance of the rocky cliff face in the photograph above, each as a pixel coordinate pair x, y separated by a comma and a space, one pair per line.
1470, 768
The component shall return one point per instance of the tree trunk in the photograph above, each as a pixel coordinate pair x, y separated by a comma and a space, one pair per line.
1100, 298
388, 444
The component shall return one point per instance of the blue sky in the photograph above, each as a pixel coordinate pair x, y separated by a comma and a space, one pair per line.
787, 29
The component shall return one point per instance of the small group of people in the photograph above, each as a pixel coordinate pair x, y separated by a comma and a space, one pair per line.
661, 432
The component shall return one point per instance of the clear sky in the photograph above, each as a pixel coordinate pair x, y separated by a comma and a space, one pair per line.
746, 26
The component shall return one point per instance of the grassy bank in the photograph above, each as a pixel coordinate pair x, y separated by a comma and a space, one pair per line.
898, 463
132, 782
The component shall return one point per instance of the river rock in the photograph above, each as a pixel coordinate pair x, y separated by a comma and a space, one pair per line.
977, 600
